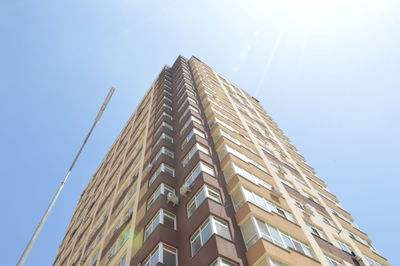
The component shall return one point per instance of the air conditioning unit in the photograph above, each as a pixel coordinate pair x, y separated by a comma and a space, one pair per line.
308, 211
276, 192
171, 197
185, 188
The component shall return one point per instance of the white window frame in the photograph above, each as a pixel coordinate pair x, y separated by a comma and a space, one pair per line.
194, 203
372, 261
277, 237
223, 262
157, 219
196, 147
162, 169
159, 249
215, 121
162, 137
343, 246
163, 150
333, 262
189, 136
190, 107
188, 122
316, 231
162, 189
244, 158
236, 141
162, 115
200, 167
164, 124
265, 204
250, 177
212, 221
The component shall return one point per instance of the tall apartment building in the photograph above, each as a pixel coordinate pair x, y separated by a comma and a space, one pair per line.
201, 175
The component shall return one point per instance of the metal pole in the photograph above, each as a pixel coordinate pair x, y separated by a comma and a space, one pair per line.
38, 229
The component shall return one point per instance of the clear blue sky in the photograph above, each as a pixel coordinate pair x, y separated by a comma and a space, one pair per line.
327, 72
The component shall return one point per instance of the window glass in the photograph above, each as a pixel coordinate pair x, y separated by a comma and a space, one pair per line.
169, 220
222, 262
211, 226
275, 236
200, 197
154, 258
206, 233
263, 228
169, 258
196, 244
298, 246
222, 229
288, 241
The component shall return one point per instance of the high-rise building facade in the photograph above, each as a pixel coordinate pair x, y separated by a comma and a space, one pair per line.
201, 175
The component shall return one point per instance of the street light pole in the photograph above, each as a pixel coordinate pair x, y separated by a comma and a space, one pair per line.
38, 229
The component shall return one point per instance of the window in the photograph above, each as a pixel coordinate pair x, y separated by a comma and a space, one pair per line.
328, 198
283, 181
372, 262
187, 95
162, 217
211, 226
190, 135
244, 158
217, 121
165, 151
167, 106
265, 204
301, 181
196, 147
162, 115
187, 111
272, 262
204, 192
190, 120
298, 203
316, 231
200, 167
252, 178
187, 100
167, 99
359, 239
162, 253
162, 189
328, 221
222, 262
164, 124
224, 116
236, 141
312, 198
254, 229
333, 262
345, 247
163, 168
162, 137
341, 216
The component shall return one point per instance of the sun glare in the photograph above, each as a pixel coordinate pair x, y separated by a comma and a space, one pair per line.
312, 7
